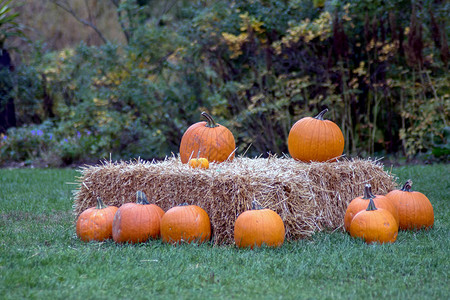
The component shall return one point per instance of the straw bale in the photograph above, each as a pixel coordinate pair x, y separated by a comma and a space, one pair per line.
309, 197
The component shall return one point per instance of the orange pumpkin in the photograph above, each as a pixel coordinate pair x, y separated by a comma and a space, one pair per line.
201, 163
360, 203
137, 222
374, 225
185, 223
259, 226
209, 140
315, 139
414, 208
95, 223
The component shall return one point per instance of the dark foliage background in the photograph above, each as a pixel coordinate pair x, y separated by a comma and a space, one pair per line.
380, 67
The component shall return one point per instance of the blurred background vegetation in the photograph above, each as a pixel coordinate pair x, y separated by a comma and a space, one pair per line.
83, 80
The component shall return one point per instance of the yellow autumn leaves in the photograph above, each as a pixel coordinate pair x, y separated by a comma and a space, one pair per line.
250, 27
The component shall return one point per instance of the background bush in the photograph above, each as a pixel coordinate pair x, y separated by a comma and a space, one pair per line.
257, 66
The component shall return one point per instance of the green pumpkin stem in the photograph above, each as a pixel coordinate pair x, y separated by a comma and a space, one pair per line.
100, 204
320, 115
368, 192
141, 198
210, 121
256, 206
371, 205
407, 186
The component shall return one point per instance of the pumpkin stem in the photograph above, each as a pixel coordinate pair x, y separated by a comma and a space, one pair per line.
320, 115
141, 198
210, 121
256, 206
407, 186
100, 204
368, 192
371, 205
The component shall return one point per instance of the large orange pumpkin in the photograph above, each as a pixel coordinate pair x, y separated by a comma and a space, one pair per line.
414, 208
209, 140
374, 225
257, 227
360, 203
185, 223
315, 139
137, 222
95, 223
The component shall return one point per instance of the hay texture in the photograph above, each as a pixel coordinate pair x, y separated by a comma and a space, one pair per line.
309, 197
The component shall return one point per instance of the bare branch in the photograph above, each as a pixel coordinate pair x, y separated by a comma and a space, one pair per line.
64, 4
125, 31
90, 18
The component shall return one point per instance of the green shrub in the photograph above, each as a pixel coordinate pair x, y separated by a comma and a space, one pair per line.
49, 146
257, 66
26, 144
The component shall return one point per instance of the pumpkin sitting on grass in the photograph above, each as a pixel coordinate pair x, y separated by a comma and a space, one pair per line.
137, 222
185, 223
95, 223
360, 203
414, 208
257, 227
374, 225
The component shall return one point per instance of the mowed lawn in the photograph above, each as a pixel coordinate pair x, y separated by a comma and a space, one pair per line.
41, 257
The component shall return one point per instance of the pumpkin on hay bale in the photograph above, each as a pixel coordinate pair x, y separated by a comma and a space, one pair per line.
309, 197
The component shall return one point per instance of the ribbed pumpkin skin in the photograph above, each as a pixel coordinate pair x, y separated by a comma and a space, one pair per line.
95, 224
374, 226
414, 209
312, 139
360, 203
185, 223
160, 212
216, 144
136, 223
256, 227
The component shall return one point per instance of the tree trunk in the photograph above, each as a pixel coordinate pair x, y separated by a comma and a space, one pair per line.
7, 109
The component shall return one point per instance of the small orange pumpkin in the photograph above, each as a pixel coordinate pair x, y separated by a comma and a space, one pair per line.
209, 140
374, 225
95, 223
137, 222
258, 226
185, 223
315, 139
201, 163
360, 203
414, 208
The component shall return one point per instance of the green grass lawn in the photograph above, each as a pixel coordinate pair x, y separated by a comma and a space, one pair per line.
41, 257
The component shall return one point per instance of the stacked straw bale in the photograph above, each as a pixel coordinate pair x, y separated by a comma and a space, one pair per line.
309, 197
